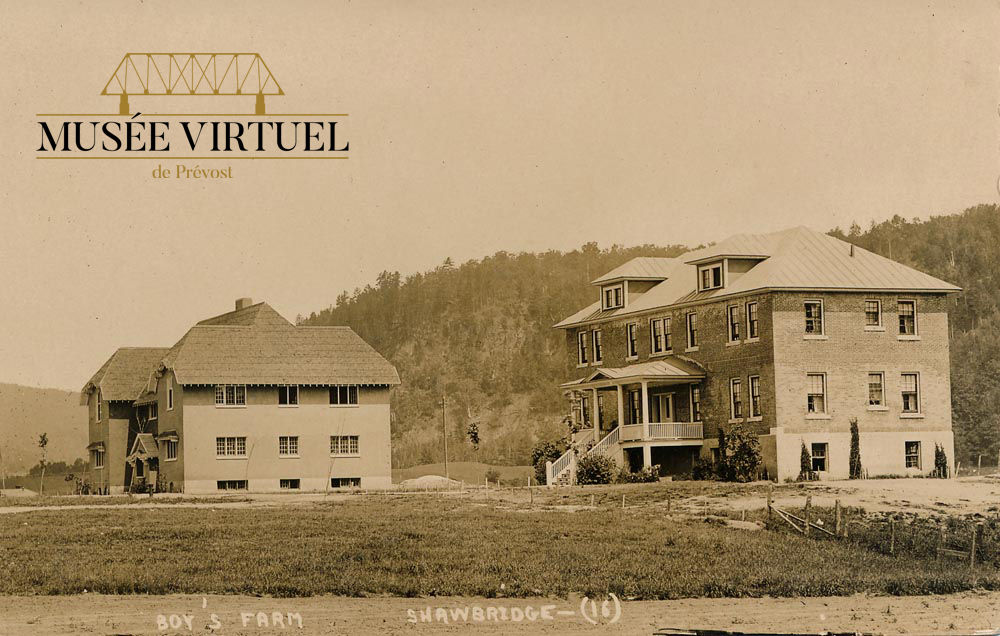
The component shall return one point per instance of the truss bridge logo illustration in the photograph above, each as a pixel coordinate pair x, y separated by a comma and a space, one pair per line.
141, 81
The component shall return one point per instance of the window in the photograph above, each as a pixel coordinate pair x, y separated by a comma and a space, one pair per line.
695, 403
913, 455
230, 395
231, 484
692, 330
814, 317
876, 389
873, 313
288, 446
754, 396
613, 297
907, 310
97, 457
344, 445
344, 395
752, 325
819, 454
735, 399
911, 393
656, 335
152, 411
345, 482
584, 410
710, 277
288, 395
631, 337
289, 484
816, 401
634, 404
581, 339
230, 447
733, 314
598, 353
171, 446
99, 400
170, 394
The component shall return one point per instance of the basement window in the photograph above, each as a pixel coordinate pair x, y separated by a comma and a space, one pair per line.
345, 482
231, 484
819, 455
913, 455
290, 484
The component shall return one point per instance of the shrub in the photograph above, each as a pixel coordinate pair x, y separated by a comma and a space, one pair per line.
545, 452
704, 469
722, 468
494, 475
855, 467
940, 462
805, 464
595, 469
646, 475
742, 454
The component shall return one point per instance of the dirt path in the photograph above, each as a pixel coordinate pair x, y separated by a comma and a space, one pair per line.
144, 615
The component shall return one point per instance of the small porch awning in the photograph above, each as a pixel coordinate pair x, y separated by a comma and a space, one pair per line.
170, 436
96, 446
672, 371
143, 448
147, 398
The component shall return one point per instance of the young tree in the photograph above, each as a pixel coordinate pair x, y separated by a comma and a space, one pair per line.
742, 453
723, 467
940, 462
855, 467
43, 442
805, 463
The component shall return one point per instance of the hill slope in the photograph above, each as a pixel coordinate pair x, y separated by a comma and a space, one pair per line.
25, 412
481, 334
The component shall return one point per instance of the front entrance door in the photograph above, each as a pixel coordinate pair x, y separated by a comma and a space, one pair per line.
662, 408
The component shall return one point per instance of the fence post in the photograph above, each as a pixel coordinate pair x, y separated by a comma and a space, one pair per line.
972, 547
548, 473
769, 501
623, 501
892, 536
592, 501
809, 499
940, 542
836, 523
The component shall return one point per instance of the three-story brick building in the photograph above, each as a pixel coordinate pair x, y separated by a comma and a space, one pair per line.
793, 334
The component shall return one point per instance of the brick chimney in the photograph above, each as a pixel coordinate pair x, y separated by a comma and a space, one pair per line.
243, 303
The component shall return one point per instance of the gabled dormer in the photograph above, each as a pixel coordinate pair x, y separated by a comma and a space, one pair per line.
719, 271
625, 283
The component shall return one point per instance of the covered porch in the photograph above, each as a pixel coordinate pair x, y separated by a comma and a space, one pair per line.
643, 408
142, 463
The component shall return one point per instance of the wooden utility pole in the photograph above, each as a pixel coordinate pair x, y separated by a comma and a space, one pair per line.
444, 427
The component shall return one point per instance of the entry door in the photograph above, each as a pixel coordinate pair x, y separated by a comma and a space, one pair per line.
663, 408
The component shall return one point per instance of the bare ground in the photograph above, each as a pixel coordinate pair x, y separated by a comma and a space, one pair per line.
963, 613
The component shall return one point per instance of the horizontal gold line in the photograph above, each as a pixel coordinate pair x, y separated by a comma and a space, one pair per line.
194, 115
189, 158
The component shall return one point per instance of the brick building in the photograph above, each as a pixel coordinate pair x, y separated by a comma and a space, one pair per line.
792, 334
244, 401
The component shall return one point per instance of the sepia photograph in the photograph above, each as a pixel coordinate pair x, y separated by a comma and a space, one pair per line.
503, 318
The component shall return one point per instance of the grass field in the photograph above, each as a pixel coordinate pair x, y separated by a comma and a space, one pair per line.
439, 545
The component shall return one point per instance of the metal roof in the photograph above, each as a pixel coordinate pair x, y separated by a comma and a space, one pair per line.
640, 268
672, 368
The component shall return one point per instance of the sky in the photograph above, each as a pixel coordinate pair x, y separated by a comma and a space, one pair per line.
473, 127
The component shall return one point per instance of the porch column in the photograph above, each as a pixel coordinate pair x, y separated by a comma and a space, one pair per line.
595, 413
647, 455
645, 410
621, 406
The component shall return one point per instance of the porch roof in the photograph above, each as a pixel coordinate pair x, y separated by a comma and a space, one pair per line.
144, 447
655, 370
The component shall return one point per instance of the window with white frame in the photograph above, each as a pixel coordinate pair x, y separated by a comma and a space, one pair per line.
912, 450
816, 397
814, 317
754, 395
613, 297
230, 446
289, 484
907, 310
752, 324
344, 395
819, 457
230, 395
288, 446
99, 400
344, 445
657, 335
97, 457
735, 398
288, 395
695, 403
231, 484
152, 411
345, 482
631, 340
635, 406
710, 276
873, 313
581, 341
733, 316
876, 389
170, 394
911, 392
692, 330
171, 449
598, 349
585, 410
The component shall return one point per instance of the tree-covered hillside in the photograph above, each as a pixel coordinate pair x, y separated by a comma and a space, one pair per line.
480, 334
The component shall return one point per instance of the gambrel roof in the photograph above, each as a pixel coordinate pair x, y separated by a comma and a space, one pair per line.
795, 259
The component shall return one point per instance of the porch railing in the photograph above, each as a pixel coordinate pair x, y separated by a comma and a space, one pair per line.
604, 446
676, 430
554, 469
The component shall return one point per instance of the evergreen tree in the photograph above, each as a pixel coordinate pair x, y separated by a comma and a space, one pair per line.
805, 464
940, 462
855, 468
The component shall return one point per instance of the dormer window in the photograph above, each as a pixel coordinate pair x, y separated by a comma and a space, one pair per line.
710, 277
613, 297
